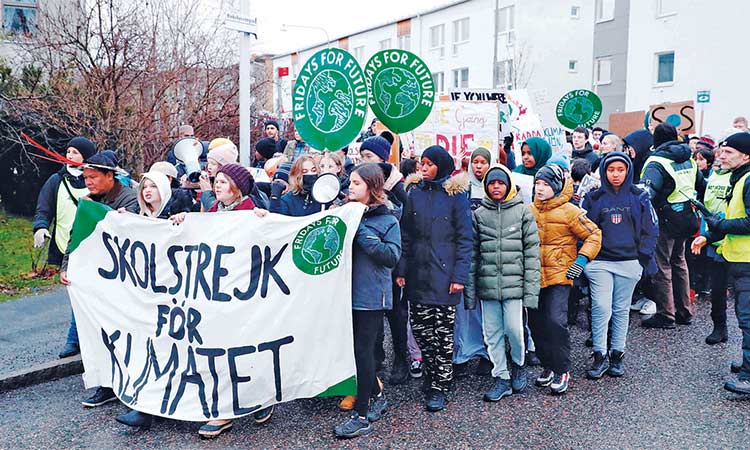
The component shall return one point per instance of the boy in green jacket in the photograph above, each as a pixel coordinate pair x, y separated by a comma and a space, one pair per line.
504, 276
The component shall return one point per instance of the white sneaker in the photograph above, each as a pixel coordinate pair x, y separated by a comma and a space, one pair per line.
648, 308
637, 306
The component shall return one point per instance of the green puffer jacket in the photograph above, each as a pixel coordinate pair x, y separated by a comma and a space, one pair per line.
505, 259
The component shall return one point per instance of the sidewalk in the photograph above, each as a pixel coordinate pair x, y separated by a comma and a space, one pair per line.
33, 330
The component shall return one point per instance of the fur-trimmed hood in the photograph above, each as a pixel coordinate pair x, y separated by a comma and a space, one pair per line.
456, 184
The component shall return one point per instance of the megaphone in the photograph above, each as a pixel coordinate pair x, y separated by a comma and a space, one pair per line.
187, 151
326, 189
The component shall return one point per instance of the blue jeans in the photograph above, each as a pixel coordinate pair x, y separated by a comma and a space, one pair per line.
72, 331
612, 284
501, 319
468, 342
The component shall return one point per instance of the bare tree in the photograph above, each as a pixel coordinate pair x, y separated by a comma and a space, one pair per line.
127, 73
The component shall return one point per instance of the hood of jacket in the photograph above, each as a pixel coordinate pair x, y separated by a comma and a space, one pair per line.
565, 195
392, 177
620, 156
412, 180
677, 151
453, 185
165, 192
511, 198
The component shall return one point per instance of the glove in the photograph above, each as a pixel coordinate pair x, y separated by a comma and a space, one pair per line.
714, 223
576, 269
39, 236
276, 189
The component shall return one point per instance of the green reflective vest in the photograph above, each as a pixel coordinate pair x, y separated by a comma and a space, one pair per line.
65, 213
717, 191
736, 247
684, 178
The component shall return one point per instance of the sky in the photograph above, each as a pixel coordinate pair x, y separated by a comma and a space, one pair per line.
337, 17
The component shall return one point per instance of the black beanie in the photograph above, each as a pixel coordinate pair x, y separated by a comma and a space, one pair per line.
496, 174
105, 159
441, 158
664, 132
272, 122
553, 175
738, 141
85, 147
266, 147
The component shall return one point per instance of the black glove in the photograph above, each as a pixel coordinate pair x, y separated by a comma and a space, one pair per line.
276, 189
715, 223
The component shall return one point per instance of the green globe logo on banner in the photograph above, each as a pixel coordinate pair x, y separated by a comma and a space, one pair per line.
401, 89
317, 248
579, 108
329, 100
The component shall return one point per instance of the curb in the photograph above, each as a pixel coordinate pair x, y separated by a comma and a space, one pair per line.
41, 373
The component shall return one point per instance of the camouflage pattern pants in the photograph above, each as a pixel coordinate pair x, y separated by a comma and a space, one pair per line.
432, 326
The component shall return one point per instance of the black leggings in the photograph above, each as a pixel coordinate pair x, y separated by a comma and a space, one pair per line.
718, 271
366, 327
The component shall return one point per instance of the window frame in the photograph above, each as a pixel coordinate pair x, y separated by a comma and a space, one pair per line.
439, 76
404, 38
32, 5
574, 68
509, 32
599, 10
506, 82
597, 70
441, 45
577, 9
659, 10
458, 81
386, 40
657, 63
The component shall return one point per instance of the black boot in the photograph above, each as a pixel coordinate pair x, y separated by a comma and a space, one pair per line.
599, 366
719, 334
616, 366
136, 419
484, 367
400, 372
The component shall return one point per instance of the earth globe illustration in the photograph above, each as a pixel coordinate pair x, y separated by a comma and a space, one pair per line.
397, 92
321, 245
579, 109
330, 103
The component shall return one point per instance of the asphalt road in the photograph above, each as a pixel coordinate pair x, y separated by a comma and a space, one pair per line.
670, 397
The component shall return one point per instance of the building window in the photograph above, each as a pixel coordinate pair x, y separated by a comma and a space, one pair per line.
666, 8
385, 44
506, 24
504, 74
359, 52
665, 67
573, 66
603, 70
404, 42
439, 79
461, 78
605, 10
575, 12
19, 17
437, 39
460, 33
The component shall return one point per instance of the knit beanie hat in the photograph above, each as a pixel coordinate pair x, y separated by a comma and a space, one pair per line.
272, 122
85, 147
164, 167
441, 158
707, 141
560, 159
240, 175
664, 132
282, 172
378, 145
738, 141
224, 153
266, 147
217, 142
553, 176
483, 152
496, 174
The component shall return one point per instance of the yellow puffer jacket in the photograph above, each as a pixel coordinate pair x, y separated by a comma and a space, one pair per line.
561, 224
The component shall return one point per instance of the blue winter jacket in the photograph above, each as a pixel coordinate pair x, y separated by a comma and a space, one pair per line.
377, 249
628, 222
295, 205
436, 233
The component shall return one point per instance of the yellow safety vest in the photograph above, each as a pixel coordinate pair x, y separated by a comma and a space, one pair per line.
736, 247
684, 178
65, 213
717, 191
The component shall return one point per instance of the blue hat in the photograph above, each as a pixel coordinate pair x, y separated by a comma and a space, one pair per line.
378, 145
561, 160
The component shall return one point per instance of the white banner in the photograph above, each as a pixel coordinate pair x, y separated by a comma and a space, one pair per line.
218, 317
460, 127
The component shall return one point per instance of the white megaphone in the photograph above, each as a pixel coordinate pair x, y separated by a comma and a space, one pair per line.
187, 151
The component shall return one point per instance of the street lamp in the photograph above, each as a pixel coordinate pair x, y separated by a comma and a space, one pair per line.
285, 26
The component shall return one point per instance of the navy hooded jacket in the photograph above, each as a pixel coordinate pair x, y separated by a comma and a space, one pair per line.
628, 222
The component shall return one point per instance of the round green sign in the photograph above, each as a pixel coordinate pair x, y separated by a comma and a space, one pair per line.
317, 248
329, 101
579, 108
401, 89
